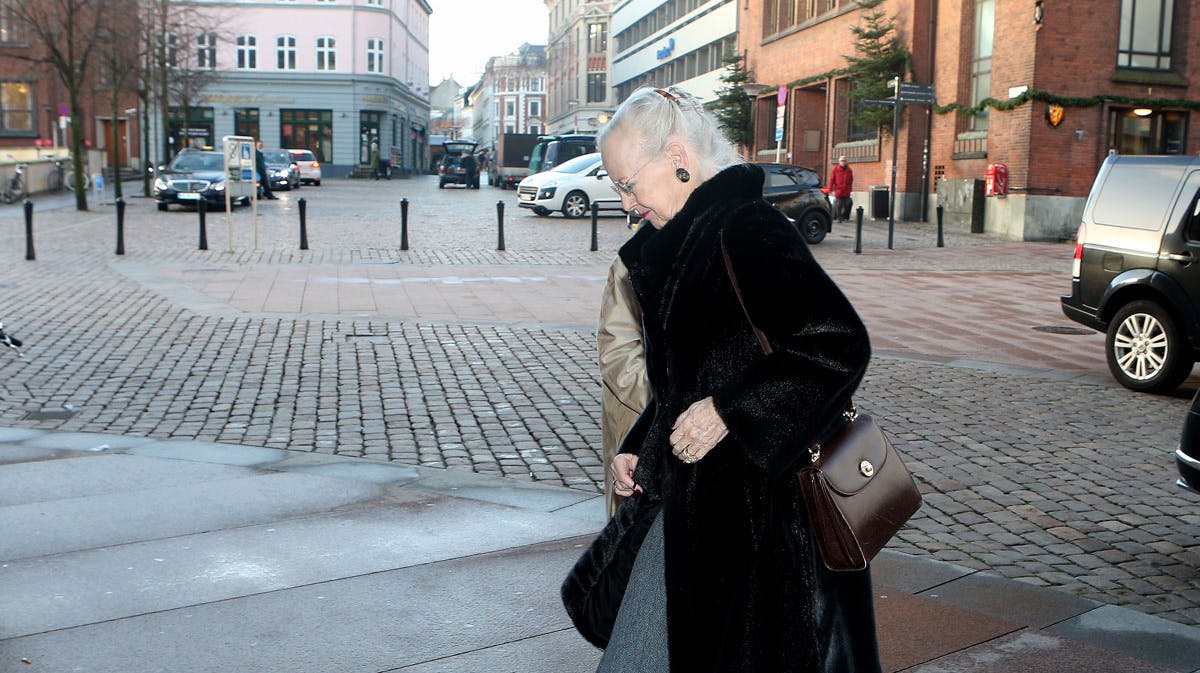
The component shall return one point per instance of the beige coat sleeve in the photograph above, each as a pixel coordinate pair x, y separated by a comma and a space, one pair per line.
622, 367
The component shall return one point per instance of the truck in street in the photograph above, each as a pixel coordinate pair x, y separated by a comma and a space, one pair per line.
510, 163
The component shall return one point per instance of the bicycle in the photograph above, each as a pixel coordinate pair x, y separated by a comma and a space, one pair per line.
70, 180
10, 341
54, 180
15, 189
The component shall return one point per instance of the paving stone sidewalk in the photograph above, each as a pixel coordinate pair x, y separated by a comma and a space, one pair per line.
1035, 464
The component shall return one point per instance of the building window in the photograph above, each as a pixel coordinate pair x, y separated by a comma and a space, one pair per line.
1152, 133
510, 108
285, 52
535, 84
981, 60
1145, 38
326, 53
16, 107
597, 87
206, 51
509, 128
12, 31
597, 38
535, 129
535, 108
309, 130
375, 2
247, 52
245, 122
170, 46
375, 54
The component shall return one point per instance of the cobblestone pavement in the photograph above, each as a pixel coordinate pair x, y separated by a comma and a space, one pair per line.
1035, 464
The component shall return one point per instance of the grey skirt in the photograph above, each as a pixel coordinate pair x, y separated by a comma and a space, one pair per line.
639, 638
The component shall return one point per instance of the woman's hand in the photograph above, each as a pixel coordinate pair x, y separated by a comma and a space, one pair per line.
622, 470
697, 430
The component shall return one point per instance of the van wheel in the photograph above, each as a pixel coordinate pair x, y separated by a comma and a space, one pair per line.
575, 205
1145, 349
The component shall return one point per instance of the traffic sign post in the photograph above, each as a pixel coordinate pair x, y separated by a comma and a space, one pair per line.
780, 110
903, 93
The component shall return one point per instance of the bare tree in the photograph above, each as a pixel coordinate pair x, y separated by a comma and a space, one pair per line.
64, 32
178, 61
119, 61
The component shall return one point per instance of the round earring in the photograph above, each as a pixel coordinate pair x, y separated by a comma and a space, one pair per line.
682, 174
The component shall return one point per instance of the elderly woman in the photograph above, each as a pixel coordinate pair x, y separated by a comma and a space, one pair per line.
728, 577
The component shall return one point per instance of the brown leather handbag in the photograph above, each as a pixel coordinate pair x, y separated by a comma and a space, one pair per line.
858, 492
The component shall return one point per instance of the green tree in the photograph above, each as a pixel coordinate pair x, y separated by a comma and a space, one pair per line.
732, 106
878, 57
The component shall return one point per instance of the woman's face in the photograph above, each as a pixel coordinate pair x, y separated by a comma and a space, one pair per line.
646, 183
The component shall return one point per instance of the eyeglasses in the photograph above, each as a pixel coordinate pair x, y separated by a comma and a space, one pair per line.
625, 187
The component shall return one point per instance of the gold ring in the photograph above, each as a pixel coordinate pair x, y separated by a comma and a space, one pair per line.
689, 458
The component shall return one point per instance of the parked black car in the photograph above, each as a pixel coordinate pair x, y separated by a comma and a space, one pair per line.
1136, 274
1187, 456
449, 172
191, 176
282, 169
797, 192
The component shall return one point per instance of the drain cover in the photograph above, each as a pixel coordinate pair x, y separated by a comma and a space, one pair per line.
49, 414
1061, 329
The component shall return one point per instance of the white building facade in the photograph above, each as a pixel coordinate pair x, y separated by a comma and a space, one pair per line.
332, 76
672, 43
580, 93
510, 96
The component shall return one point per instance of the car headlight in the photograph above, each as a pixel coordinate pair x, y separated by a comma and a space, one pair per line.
161, 184
546, 193
218, 186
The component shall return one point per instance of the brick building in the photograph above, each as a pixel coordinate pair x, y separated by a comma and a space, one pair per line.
34, 117
1117, 75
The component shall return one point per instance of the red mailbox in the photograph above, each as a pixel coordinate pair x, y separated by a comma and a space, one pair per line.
996, 180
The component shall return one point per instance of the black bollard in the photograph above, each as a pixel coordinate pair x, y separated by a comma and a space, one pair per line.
303, 223
29, 230
403, 223
941, 241
500, 224
858, 230
202, 211
595, 220
120, 226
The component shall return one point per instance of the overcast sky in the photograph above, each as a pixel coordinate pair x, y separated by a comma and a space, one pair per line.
463, 34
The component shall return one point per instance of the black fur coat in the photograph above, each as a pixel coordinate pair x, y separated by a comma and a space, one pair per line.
746, 589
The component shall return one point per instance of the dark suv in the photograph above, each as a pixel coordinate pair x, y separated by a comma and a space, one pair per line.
1136, 275
449, 172
797, 192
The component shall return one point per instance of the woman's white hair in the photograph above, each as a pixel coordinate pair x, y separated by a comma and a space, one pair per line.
652, 117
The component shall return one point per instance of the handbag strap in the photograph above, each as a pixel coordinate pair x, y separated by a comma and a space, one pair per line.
850, 413
762, 338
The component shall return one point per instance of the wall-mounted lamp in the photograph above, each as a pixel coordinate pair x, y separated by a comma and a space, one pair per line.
753, 90
1143, 111
1038, 12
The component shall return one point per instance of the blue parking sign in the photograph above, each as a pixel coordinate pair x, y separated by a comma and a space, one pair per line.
778, 135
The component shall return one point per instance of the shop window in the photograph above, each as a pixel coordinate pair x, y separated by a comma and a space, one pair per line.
245, 122
308, 129
16, 107
1144, 131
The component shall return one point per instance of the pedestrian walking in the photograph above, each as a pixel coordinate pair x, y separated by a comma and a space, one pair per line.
728, 577
841, 183
264, 176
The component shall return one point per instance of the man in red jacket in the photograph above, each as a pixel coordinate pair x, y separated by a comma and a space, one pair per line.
841, 182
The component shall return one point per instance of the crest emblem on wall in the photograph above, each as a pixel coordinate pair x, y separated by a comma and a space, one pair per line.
1054, 114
